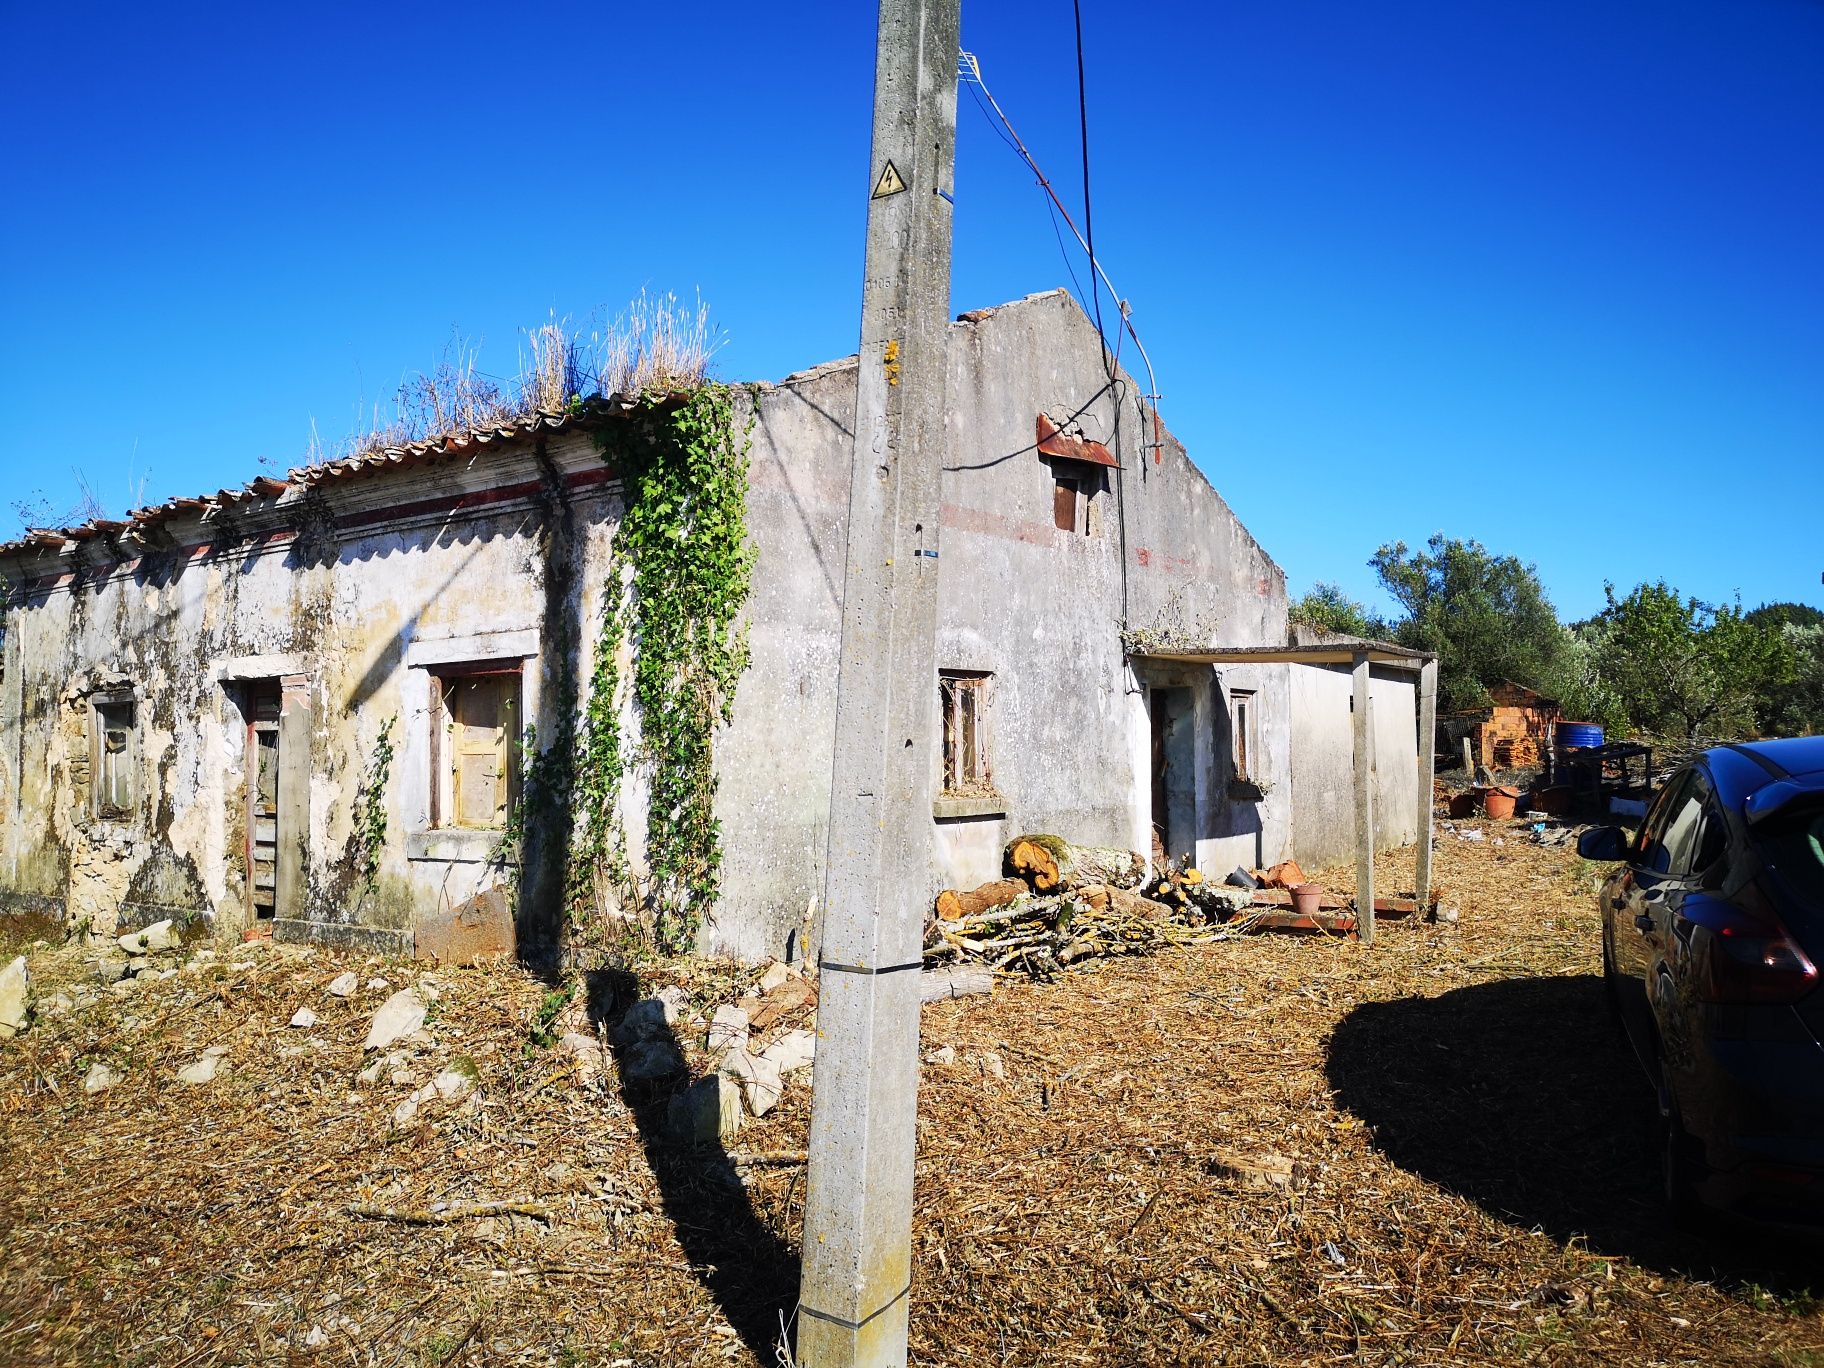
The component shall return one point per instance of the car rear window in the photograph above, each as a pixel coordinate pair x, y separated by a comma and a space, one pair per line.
1793, 843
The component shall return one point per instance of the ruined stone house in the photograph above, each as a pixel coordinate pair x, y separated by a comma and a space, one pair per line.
300, 703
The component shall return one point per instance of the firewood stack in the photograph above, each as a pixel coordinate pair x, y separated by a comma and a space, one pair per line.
1061, 904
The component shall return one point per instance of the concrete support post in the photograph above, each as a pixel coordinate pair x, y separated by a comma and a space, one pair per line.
858, 1197
1428, 745
1364, 802
293, 798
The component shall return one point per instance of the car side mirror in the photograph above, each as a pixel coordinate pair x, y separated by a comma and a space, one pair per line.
1605, 844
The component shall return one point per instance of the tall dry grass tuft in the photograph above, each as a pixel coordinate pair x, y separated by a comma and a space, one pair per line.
563, 367
657, 345
455, 397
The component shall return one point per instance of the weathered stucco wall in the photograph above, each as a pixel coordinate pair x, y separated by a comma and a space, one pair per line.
1039, 609
1323, 762
349, 595
330, 596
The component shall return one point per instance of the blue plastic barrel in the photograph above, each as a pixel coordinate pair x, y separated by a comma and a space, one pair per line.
1577, 735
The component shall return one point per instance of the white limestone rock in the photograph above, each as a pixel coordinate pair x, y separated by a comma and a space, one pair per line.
728, 1029
792, 1051
15, 1004
648, 1019
303, 1019
650, 1060
774, 975
399, 1016
160, 938
342, 985
706, 1113
99, 1078
760, 1079
457, 1081
202, 1071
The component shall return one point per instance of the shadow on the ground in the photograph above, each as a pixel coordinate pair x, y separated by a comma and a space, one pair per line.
752, 1274
1523, 1096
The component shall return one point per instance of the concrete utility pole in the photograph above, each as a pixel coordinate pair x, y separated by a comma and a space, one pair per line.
858, 1199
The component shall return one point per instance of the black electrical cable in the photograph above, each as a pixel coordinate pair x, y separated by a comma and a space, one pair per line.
1089, 227
1108, 365
1050, 208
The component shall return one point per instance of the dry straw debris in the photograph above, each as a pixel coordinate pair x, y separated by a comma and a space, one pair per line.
1276, 1150
658, 344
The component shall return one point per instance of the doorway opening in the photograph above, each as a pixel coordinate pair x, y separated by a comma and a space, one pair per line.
1174, 765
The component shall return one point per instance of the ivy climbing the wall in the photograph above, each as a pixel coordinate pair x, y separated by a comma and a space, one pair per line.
370, 806
679, 578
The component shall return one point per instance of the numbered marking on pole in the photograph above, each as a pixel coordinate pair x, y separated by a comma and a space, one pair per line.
889, 182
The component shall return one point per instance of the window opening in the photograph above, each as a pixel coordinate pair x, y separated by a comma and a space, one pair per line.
476, 757
114, 750
1243, 740
963, 701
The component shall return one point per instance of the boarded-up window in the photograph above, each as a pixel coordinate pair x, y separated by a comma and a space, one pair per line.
1064, 501
116, 745
963, 699
479, 750
1243, 734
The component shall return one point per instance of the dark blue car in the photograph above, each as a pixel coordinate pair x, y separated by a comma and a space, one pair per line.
1712, 934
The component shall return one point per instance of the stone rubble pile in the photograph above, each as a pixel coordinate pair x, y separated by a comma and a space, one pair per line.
756, 1047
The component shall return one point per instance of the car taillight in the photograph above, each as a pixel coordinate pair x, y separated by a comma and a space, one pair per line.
1755, 959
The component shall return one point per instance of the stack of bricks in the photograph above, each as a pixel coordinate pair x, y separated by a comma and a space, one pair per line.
1513, 738
1517, 752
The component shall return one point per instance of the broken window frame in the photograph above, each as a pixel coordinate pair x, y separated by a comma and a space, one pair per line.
113, 768
1244, 736
966, 732
447, 750
1075, 485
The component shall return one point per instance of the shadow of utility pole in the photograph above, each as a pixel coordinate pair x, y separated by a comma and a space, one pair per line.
746, 1267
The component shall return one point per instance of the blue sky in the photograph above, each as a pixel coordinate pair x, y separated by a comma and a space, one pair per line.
1546, 274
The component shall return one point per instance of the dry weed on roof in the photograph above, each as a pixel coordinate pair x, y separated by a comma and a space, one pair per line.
1282, 1150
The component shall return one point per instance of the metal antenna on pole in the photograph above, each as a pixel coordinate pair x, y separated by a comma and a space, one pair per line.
857, 1272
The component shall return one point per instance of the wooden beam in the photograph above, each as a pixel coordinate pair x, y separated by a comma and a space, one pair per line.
1383, 907
1364, 800
1428, 744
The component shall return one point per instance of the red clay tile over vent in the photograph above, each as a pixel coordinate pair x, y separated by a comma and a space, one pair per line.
1054, 443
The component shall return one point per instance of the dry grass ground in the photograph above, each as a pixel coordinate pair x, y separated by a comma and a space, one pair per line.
1270, 1151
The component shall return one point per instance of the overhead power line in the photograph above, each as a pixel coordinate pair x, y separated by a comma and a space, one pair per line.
972, 78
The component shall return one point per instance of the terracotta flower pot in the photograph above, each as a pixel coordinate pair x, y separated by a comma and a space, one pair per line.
1307, 899
1498, 803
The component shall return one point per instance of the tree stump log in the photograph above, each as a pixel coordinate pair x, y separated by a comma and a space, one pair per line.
961, 980
1050, 863
953, 904
1124, 902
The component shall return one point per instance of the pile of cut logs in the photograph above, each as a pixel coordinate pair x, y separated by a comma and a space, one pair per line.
1062, 903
